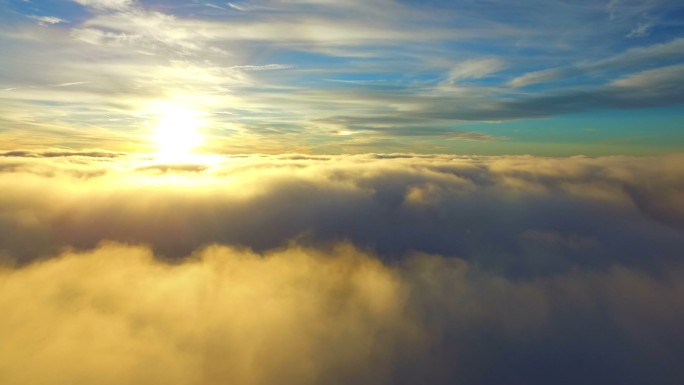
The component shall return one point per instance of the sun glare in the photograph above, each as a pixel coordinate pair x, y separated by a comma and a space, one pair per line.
177, 132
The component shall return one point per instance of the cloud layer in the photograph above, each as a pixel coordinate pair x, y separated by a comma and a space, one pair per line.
373, 269
579, 210
302, 316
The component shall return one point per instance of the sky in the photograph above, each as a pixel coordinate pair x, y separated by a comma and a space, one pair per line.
305, 192
550, 78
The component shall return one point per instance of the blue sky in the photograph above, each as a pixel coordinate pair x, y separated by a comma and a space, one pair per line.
320, 76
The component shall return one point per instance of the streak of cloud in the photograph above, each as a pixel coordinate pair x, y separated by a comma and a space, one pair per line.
388, 67
47, 20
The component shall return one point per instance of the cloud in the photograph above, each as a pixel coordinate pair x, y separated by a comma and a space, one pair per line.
641, 30
660, 79
143, 29
106, 4
658, 87
654, 55
69, 84
475, 69
474, 136
48, 20
237, 7
387, 68
540, 76
365, 269
300, 316
60, 153
443, 205
330, 315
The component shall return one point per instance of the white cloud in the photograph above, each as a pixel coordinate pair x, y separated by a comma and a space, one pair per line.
612, 8
655, 79
641, 30
537, 77
312, 269
69, 84
421, 51
236, 7
475, 69
106, 4
48, 20
332, 315
266, 67
264, 202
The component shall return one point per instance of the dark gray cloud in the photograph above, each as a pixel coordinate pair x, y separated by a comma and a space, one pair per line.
373, 269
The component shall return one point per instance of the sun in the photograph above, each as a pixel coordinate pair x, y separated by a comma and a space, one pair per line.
177, 133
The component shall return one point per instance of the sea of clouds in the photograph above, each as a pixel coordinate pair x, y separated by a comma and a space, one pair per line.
364, 269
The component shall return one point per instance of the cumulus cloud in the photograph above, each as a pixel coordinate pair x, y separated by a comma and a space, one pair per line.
368, 269
332, 315
473, 208
116, 315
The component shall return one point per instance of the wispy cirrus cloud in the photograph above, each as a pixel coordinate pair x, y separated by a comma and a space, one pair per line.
47, 20
475, 69
107, 4
379, 69
642, 57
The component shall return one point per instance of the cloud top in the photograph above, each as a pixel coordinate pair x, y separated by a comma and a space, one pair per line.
366, 269
311, 316
476, 208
